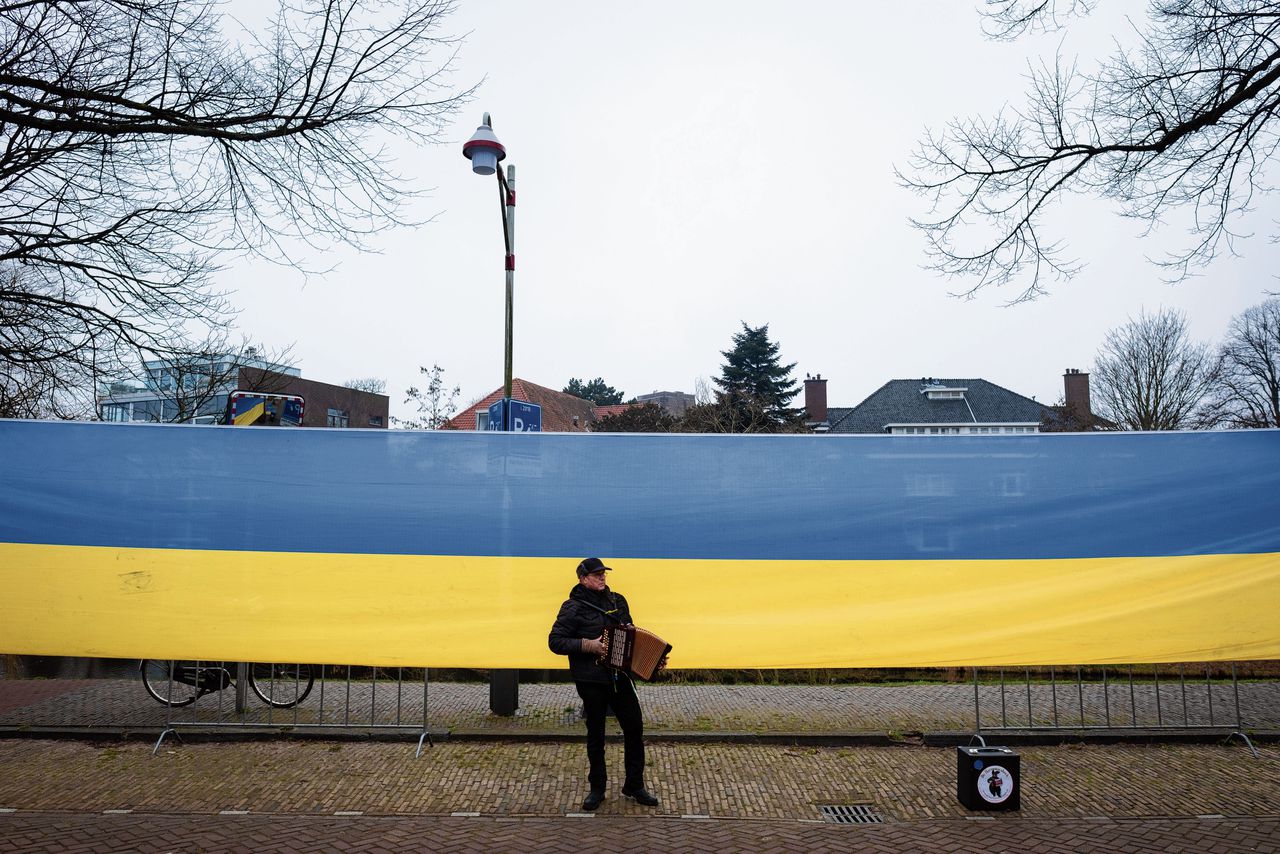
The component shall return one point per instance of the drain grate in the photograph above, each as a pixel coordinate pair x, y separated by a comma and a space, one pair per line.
851, 814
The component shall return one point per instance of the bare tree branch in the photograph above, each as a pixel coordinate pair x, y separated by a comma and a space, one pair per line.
373, 385
436, 403
1008, 19
1247, 392
137, 144
1187, 121
738, 412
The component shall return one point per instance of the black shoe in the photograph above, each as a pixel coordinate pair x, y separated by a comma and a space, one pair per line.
593, 800
641, 796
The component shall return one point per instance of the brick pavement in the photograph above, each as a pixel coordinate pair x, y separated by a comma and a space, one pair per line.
546, 779
1162, 797
54, 832
26, 694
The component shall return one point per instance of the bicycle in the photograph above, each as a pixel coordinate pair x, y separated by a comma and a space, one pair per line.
181, 683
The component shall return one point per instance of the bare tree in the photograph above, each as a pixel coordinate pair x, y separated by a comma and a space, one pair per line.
703, 391
1247, 389
1187, 120
737, 412
436, 403
1065, 417
138, 143
640, 418
373, 385
50, 361
63, 390
1149, 374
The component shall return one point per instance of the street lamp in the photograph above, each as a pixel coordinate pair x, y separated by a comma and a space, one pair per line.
484, 151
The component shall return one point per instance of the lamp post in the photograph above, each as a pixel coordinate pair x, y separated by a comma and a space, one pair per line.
485, 153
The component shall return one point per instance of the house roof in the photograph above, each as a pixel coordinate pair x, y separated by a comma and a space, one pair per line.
558, 409
903, 402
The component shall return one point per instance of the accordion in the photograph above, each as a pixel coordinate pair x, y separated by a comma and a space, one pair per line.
634, 650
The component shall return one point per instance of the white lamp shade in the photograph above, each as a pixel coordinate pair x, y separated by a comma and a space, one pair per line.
483, 149
484, 161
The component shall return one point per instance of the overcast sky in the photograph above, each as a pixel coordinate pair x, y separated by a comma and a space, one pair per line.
684, 167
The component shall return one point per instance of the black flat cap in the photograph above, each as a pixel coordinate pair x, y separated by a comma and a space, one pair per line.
590, 565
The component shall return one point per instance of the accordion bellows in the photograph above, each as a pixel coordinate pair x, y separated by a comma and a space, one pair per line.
635, 650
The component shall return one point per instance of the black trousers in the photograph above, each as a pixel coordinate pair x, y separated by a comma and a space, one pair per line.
597, 697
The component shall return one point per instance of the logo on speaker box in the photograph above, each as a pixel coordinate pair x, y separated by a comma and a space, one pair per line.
995, 784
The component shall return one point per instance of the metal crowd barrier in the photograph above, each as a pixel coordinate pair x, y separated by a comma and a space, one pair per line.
241, 696
1123, 697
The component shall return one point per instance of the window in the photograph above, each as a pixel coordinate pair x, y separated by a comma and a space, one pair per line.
924, 431
338, 418
936, 393
375, 420
482, 419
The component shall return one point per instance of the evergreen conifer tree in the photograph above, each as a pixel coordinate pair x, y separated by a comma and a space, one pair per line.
753, 377
597, 391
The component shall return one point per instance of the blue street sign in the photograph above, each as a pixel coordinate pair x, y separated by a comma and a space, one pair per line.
517, 416
524, 417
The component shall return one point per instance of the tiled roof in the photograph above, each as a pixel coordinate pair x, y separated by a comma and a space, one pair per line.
558, 409
901, 402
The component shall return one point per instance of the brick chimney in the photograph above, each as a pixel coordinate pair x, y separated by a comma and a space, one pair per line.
815, 399
1076, 394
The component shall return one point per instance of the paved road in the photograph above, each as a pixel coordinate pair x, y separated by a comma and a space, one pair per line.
547, 779
68, 795
278, 834
521, 795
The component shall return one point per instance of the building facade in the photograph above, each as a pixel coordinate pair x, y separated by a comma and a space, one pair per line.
674, 402
195, 391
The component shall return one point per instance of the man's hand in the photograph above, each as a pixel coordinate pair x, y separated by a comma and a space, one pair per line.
594, 646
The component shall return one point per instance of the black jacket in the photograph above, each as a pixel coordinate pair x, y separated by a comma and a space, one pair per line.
578, 620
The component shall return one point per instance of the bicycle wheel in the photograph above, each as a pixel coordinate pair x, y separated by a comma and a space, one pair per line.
160, 680
281, 685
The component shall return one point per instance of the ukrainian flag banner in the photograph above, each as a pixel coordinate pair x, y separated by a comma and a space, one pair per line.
400, 548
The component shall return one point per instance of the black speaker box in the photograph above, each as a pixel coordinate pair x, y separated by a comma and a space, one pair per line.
988, 778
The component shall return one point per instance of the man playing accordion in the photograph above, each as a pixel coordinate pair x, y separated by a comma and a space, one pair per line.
578, 633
